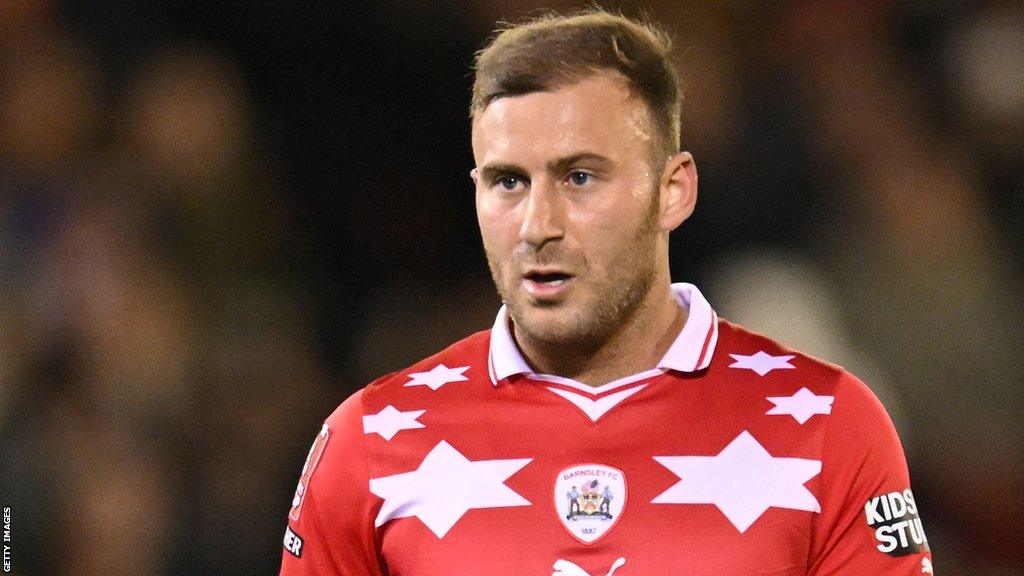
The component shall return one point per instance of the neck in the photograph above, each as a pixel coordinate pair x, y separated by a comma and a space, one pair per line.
637, 346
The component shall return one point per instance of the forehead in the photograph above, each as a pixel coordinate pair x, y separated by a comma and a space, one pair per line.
597, 114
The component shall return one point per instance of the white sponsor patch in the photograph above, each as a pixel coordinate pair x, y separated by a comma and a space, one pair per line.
315, 451
897, 527
589, 499
292, 542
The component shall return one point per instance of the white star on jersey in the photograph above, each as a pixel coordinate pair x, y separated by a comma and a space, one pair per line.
743, 481
761, 362
437, 376
802, 405
446, 486
390, 421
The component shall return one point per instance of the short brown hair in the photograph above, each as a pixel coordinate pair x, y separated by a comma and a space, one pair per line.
554, 51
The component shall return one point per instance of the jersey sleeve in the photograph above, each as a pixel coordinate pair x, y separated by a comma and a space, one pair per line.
869, 522
331, 523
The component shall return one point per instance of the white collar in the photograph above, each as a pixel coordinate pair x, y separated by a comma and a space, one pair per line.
691, 350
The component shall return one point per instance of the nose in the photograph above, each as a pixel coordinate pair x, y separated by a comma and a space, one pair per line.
543, 215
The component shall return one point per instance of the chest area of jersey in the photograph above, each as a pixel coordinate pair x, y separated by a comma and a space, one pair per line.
675, 483
547, 516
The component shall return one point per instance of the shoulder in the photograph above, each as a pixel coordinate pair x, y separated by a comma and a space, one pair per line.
753, 353
461, 361
341, 450
750, 355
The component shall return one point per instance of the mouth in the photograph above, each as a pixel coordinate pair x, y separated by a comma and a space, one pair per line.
547, 284
555, 278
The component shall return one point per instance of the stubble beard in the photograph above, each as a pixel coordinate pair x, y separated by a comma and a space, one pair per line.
615, 299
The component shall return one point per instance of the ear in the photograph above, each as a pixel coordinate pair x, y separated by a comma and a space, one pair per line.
475, 175
678, 193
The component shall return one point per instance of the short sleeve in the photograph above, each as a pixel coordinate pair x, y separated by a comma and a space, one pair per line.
869, 521
331, 522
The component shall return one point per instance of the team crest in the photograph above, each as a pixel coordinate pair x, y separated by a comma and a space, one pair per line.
589, 500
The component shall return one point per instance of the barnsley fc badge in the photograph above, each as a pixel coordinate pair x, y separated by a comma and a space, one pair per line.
589, 499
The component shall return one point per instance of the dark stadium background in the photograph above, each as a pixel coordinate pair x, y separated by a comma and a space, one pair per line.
218, 219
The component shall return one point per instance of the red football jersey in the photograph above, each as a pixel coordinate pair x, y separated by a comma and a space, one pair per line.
734, 456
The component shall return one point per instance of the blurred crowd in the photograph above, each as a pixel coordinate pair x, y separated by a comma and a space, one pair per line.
216, 222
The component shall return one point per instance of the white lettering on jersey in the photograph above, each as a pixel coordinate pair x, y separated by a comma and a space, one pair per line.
292, 542
897, 527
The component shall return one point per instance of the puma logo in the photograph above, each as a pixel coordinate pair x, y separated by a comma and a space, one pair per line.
566, 568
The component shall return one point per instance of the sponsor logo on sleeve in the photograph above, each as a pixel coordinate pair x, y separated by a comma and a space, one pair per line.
292, 542
898, 529
315, 451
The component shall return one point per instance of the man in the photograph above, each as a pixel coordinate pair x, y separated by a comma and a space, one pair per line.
574, 505
724, 453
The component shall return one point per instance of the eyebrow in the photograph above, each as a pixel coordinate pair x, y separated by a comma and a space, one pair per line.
561, 164
557, 165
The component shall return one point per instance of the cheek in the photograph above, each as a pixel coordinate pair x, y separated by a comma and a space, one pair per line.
498, 219
608, 237
498, 237
486, 219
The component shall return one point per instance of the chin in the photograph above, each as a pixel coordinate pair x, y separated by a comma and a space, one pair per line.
554, 327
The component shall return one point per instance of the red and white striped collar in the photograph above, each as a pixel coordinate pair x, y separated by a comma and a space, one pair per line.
691, 350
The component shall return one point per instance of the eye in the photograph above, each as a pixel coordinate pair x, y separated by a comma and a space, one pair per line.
508, 182
579, 178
